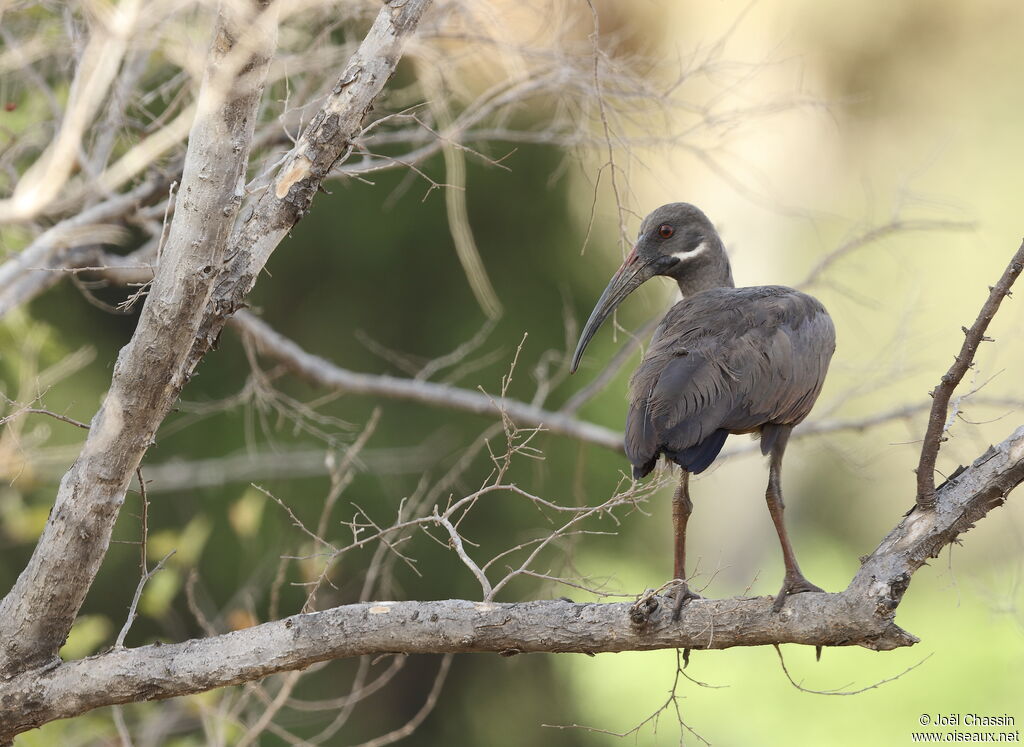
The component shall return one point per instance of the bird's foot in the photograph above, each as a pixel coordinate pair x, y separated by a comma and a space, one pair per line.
793, 584
683, 595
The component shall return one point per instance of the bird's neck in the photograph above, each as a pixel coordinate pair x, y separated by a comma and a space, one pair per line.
713, 272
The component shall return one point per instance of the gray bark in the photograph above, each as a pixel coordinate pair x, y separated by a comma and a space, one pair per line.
36, 615
862, 615
210, 262
263, 225
22, 277
204, 274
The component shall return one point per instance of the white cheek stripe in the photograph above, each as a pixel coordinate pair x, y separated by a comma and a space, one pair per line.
699, 249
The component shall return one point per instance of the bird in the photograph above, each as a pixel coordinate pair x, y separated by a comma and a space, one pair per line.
724, 360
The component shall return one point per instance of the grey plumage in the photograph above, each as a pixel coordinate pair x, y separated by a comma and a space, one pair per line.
724, 360
735, 360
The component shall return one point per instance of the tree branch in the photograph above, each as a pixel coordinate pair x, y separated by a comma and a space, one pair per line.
877, 233
862, 615
24, 276
324, 373
327, 139
37, 613
973, 337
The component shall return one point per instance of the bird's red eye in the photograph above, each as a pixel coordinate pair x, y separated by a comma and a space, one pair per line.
665, 231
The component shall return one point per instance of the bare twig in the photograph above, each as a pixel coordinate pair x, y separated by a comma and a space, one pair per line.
325, 373
428, 705
132, 609
455, 200
18, 278
672, 701
615, 365
43, 411
877, 233
841, 691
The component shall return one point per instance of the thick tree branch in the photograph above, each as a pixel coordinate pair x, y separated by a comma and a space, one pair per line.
973, 337
37, 613
960, 502
862, 615
158, 672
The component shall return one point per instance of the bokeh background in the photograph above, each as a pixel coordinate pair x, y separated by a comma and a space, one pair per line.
831, 120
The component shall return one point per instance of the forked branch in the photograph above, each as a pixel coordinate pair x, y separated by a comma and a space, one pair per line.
37, 614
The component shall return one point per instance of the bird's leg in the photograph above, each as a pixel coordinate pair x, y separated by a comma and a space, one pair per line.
682, 507
794, 582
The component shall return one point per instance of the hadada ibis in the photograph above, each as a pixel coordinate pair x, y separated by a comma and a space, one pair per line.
723, 360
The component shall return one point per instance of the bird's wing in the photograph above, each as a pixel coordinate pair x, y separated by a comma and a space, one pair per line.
781, 363
732, 362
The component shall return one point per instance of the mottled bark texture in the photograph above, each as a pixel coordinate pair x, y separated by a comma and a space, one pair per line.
209, 262
263, 225
36, 615
862, 615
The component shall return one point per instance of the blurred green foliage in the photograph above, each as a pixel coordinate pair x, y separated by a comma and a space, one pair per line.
376, 261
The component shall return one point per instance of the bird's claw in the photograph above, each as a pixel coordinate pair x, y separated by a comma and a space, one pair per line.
793, 585
682, 594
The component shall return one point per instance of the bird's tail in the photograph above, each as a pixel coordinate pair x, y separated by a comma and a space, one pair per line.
699, 457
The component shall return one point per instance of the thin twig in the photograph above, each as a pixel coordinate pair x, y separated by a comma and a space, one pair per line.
143, 544
877, 233
43, 411
132, 610
324, 373
840, 691
428, 705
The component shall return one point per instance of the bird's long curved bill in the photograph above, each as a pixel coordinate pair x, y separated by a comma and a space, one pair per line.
626, 280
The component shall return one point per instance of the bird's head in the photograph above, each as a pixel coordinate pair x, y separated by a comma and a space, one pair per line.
676, 240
